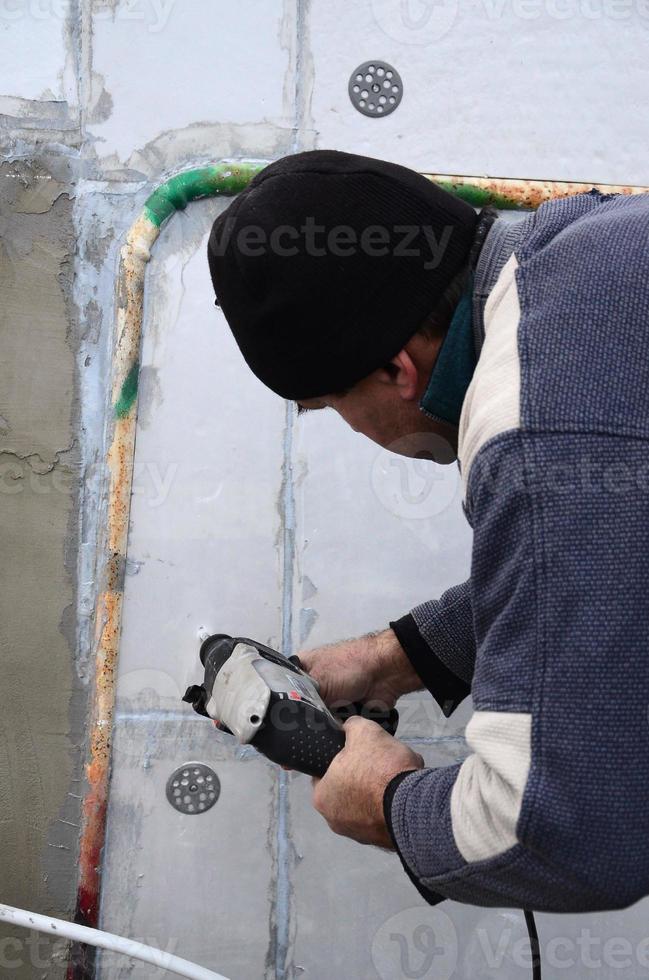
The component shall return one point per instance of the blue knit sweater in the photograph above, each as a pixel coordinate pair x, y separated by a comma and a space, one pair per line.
551, 634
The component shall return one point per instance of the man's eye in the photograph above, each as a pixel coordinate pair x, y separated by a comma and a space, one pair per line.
301, 409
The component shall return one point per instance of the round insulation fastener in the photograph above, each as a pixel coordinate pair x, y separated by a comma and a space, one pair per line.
193, 788
375, 88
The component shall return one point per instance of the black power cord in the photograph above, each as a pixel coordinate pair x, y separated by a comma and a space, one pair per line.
534, 944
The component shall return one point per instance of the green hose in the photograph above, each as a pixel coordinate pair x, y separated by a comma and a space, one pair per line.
229, 179
176, 193
479, 197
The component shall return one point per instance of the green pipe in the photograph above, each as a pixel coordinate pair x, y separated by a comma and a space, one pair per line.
479, 197
191, 185
228, 179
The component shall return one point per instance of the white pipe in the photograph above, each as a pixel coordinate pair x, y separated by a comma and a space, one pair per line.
106, 940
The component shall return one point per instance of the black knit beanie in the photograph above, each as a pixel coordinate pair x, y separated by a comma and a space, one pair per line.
327, 263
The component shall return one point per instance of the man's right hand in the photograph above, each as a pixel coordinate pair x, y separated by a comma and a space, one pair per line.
372, 668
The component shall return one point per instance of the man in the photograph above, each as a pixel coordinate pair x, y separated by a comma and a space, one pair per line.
523, 347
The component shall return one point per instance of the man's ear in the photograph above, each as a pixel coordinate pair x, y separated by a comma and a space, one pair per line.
402, 372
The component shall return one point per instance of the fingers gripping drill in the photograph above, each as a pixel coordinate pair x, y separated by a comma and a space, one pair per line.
266, 700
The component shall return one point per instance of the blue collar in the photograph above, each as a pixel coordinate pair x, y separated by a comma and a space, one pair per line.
454, 366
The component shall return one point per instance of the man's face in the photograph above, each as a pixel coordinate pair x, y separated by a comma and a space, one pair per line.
367, 408
384, 407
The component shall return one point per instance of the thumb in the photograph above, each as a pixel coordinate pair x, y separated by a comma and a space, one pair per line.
359, 729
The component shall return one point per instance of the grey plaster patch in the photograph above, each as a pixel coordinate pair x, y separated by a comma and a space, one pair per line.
133, 566
100, 220
196, 144
308, 588
98, 241
101, 102
31, 188
36, 114
149, 395
308, 617
91, 322
304, 132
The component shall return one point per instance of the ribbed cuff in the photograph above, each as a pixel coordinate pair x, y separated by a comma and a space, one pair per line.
388, 796
447, 688
433, 898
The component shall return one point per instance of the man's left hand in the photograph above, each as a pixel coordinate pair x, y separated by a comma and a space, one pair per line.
350, 794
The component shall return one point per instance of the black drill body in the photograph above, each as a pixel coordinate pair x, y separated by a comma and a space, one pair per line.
266, 700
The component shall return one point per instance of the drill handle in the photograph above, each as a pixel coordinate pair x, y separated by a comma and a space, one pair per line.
307, 740
315, 751
309, 745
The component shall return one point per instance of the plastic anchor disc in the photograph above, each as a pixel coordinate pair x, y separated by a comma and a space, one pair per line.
375, 88
193, 788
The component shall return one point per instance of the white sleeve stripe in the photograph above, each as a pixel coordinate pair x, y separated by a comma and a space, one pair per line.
487, 795
492, 401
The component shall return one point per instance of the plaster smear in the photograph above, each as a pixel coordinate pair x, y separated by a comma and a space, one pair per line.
42, 714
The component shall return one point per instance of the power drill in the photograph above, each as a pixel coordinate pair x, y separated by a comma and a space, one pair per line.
268, 701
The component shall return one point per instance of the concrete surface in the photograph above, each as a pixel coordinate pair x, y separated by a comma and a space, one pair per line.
42, 716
